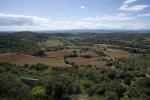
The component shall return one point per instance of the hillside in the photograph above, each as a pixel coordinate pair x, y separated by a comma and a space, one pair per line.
83, 66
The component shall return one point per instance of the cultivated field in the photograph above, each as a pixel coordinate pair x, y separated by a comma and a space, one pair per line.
86, 61
56, 58
21, 59
114, 53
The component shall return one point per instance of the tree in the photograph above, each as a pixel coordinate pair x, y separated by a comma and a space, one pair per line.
12, 88
86, 56
59, 87
100, 88
38, 92
39, 66
111, 96
40, 53
114, 86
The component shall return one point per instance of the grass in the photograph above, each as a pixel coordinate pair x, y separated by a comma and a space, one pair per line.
53, 42
114, 53
80, 46
53, 54
141, 59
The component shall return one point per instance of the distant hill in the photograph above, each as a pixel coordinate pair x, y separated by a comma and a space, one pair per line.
73, 31
95, 31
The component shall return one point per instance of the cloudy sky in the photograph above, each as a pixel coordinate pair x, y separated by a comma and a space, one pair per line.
74, 14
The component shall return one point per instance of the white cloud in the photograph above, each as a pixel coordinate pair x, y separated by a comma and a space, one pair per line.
125, 6
17, 20
129, 1
144, 15
23, 22
121, 14
90, 19
118, 17
135, 26
133, 8
82, 7
100, 25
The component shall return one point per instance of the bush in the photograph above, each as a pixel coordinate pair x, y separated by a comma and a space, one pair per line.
111, 96
60, 87
100, 53
90, 91
110, 73
72, 55
116, 87
133, 92
39, 67
144, 82
86, 56
38, 92
40, 53
109, 63
12, 88
100, 89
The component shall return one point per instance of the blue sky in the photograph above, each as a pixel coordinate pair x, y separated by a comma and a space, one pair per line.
74, 14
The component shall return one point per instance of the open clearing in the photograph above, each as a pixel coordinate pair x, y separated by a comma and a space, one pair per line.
89, 52
53, 54
53, 42
21, 59
85, 61
56, 58
113, 53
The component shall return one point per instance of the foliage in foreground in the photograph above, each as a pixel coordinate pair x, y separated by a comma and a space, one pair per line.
125, 81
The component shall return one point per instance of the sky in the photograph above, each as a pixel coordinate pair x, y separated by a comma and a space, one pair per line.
74, 14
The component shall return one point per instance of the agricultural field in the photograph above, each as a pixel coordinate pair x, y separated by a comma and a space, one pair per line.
114, 53
56, 58
22, 59
96, 61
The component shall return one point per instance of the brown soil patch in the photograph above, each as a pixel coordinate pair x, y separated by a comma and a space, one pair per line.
21, 59
59, 53
85, 61
91, 53
56, 58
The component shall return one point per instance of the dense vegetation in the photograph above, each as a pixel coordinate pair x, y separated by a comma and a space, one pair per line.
21, 42
121, 79
126, 81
